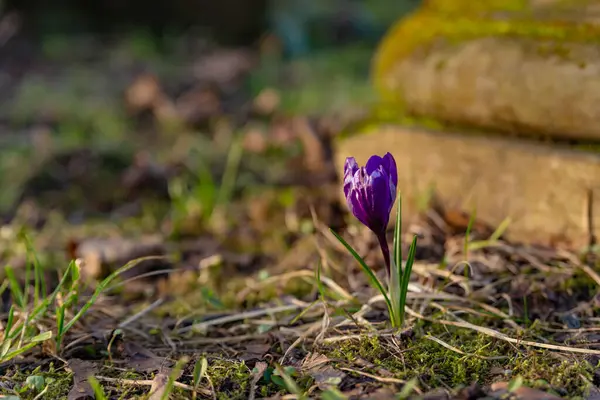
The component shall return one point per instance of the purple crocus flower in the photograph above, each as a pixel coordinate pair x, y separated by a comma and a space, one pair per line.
371, 192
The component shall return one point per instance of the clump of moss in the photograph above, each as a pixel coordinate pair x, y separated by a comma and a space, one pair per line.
434, 364
58, 380
580, 285
546, 371
231, 379
485, 360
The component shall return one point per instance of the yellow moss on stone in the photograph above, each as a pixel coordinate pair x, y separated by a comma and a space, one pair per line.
476, 7
426, 25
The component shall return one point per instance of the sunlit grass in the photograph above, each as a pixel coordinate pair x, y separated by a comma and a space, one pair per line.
28, 320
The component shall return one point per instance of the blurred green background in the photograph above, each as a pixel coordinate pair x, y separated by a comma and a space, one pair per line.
124, 76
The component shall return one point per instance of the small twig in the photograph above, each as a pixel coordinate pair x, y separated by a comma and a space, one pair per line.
316, 326
591, 273
501, 336
143, 312
378, 378
459, 351
149, 382
238, 317
336, 339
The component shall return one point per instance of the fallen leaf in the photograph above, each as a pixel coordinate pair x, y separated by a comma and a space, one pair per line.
159, 385
255, 351
142, 359
325, 376
82, 370
522, 392
314, 360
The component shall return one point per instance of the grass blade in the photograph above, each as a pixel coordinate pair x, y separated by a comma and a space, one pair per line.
34, 341
468, 232
290, 384
367, 271
500, 230
398, 235
234, 157
60, 325
200, 370
412, 251
97, 388
15, 288
9, 321
39, 281
395, 284
319, 283
103, 285
173, 377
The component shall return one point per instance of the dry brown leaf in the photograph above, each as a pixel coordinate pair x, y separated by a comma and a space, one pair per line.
524, 392
159, 385
82, 370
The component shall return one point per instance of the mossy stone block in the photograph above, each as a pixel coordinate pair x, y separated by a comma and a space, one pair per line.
534, 72
550, 193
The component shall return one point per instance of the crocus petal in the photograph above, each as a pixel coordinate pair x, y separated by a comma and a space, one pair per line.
380, 202
389, 164
371, 190
357, 198
350, 168
356, 202
373, 163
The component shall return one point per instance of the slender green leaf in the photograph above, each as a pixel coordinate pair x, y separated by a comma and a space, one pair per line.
468, 233
39, 281
515, 383
173, 376
5, 348
395, 295
412, 251
319, 283
398, 236
9, 321
42, 337
103, 285
333, 394
301, 313
408, 389
501, 229
206, 190
60, 324
18, 351
367, 271
234, 157
4, 286
42, 307
97, 388
290, 384
395, 284
15, 288
200, 370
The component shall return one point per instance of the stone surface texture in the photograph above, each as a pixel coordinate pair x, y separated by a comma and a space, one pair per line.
547, 191
525, 66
